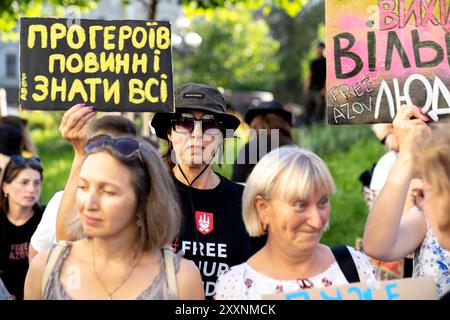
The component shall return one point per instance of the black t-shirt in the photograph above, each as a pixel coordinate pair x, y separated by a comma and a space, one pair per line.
222, 238
244, 164
318, 74
14, 244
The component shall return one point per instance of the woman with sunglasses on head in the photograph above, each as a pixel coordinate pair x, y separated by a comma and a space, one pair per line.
20, 214
128, 212
75, 128
212, 234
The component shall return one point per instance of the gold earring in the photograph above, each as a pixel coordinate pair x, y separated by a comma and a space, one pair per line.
264, 226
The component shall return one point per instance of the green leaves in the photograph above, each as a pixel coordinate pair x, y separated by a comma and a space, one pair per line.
291, 7
237, 51
11, 10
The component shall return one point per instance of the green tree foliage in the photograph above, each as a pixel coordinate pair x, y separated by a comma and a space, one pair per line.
311, 55
291, 7
296, 35
294, 24
237, 51
11, 10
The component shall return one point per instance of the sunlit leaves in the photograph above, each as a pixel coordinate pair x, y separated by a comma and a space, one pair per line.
291, 7
11, 10
237, 51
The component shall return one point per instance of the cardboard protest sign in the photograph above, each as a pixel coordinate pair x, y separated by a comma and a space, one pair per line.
115, 65
402, 289
385, 53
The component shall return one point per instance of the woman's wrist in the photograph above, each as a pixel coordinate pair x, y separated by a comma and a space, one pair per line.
403, 170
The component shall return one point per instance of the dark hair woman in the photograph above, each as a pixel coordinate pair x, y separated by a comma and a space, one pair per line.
213, 234
20, 214
270, 126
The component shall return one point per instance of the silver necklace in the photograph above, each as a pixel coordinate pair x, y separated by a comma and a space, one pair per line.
111, 293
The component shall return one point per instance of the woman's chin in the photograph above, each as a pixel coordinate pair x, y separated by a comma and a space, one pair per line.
89, 231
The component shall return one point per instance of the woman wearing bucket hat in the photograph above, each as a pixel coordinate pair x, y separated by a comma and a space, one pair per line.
270, 128
213, 234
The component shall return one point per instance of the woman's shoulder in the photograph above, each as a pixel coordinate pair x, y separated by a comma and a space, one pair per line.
59, 250
236, 271
40, 260
230, 284
189, 279
77, 248
180, 264
35, 274
431, 246
357, 254
365, 269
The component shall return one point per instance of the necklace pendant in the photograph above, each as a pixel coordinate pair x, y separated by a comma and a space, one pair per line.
109, 298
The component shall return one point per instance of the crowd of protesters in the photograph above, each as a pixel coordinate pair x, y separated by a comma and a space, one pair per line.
167, 226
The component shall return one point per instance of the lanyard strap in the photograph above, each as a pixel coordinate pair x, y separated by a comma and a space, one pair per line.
195, 179
191, 202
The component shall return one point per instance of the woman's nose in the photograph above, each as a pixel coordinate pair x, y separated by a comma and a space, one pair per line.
315, 219
91, 201
32, 188
197, 131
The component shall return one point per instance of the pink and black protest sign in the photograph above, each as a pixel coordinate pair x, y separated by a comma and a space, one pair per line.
385, 53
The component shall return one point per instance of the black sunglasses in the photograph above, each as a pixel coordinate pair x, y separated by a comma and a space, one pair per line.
19, 160
185, 123
125, 147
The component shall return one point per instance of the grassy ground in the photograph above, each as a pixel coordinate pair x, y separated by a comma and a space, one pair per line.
348, 151
349, 211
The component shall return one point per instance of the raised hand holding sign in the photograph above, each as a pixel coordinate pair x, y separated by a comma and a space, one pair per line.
121, 65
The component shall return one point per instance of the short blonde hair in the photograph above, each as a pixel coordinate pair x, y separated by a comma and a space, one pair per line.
288, 172
157, 198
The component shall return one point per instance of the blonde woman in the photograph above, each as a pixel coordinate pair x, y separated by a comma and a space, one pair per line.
432, 158
389, 234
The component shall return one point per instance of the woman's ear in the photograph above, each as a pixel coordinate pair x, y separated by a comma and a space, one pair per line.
5, 187
261, 206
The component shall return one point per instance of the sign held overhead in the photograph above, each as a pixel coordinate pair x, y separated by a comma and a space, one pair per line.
115, 65
386, 53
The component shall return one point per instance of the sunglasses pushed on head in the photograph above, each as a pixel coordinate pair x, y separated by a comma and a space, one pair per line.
128, 148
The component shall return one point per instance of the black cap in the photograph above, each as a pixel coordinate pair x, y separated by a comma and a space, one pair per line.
195, 96
273, 106
10, 140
